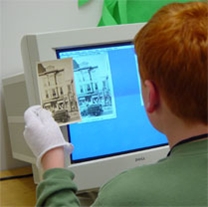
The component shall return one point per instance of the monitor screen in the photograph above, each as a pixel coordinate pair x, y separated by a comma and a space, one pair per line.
109, 98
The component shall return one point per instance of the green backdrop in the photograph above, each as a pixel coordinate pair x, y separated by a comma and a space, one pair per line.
128, 11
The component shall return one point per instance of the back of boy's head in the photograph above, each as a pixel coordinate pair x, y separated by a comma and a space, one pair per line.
172, 51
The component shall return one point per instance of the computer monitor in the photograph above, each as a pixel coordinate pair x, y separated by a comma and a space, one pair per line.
114, 134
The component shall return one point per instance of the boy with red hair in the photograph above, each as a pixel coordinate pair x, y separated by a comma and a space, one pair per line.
172, 51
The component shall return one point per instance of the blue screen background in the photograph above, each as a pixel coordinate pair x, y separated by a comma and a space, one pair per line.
130, 130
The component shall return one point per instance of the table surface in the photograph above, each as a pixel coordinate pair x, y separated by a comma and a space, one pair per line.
19, 191
22, 191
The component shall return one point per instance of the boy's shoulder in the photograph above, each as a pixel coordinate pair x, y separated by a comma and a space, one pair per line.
125, 187
155, 182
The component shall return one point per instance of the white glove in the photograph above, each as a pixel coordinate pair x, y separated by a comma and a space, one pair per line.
42, 133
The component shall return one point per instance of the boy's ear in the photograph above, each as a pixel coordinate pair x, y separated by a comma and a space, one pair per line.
152, 96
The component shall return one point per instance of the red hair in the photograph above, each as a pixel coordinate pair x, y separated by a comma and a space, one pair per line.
172, 51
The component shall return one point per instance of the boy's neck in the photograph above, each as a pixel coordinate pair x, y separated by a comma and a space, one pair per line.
181, 131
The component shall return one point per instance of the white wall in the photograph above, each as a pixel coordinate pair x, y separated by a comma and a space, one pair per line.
19, 17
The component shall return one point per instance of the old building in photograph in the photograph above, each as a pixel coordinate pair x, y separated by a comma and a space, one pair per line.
57, 92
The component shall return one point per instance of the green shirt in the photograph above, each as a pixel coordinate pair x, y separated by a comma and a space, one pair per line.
178, 180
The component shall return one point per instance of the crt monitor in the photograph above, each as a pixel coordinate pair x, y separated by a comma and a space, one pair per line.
114, 134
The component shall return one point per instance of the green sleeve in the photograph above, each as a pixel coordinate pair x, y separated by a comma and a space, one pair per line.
57, 189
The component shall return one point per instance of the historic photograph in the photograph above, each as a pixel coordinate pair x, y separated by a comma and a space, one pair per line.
57, 90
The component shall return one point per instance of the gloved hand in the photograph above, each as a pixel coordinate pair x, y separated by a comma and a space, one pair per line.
42, 133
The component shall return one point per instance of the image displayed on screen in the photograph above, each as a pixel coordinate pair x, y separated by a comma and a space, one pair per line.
94, 87
110, 101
